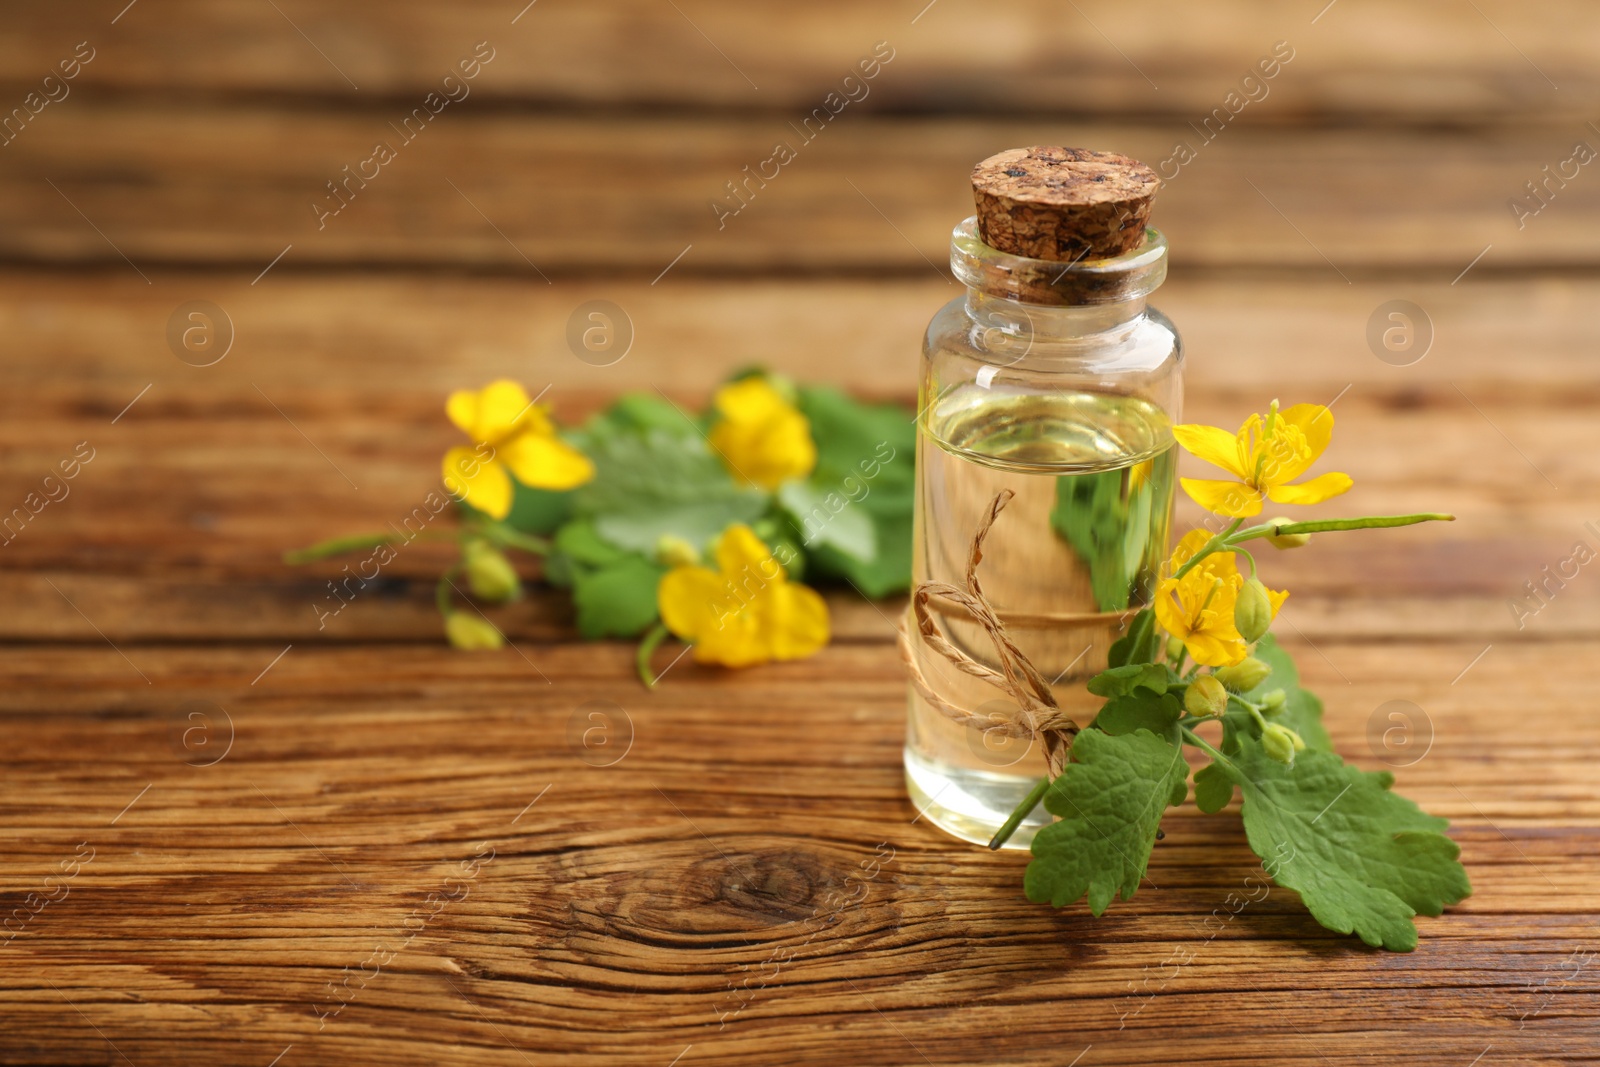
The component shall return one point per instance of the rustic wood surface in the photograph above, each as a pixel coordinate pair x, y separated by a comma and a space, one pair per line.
263, 818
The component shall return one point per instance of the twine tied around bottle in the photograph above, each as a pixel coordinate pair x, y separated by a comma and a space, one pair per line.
1038, 715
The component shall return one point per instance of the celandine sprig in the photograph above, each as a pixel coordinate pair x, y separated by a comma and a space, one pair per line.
1363, 859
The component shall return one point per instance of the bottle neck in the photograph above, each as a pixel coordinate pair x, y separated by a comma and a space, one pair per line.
1044, 323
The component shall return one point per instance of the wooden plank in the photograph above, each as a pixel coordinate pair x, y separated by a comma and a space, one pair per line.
1427, 61
621, 914
167, 184
88, 342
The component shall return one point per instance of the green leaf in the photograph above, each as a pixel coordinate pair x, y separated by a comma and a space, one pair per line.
1213, 788
1364, 859
1106, 530
887, 574
1110, 802
580, 541
653, 482
866, 453
1119, 681
1302, 712
618, 599
1138, 645
1140, 710
829, 518
873, 444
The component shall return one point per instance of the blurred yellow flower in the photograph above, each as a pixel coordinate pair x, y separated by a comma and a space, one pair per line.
513, 437
1265, 455
1197, 609
746, 611
762, 438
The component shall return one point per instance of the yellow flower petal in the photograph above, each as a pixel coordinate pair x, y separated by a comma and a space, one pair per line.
761, 438
1210, 650
1314, 421
1323, 487
493, 413
481, 482
1212, 444
750, 399
740, 553
545, 462
691, 601
1276, 599
1169, 612
796, 620
1233, 499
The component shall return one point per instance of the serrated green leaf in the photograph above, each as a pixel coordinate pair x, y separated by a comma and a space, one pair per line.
829, 518
618, 599
1110, 801
1213, 788
651, 482
1302, 711
1363, 859
1140, 710
1119, 681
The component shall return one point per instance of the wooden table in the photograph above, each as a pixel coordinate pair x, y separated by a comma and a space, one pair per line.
246, 818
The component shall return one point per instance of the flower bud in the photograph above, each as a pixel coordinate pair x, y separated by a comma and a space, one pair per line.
490, 575
1174, 650
1252, 611
1205, 696
1244, 675
470, 633
1281, 743
1272, 703
674, 551
1298, 540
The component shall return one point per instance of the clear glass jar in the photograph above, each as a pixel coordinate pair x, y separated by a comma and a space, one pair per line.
1056, 381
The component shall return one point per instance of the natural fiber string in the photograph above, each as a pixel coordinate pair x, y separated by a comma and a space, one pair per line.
1039, 717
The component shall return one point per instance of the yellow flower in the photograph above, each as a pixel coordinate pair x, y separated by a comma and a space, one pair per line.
1197, 609
1267, 453
745, 612
761, 437
513, 437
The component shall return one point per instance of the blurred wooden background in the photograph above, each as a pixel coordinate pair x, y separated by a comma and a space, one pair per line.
185, 161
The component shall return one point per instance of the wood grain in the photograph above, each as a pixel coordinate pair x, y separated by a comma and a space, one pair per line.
623, 912
267, 819
1423, 62
541, 195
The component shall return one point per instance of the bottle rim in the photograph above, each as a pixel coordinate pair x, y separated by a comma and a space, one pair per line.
1079, 283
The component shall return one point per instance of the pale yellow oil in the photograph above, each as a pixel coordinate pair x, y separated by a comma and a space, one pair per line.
1079, 545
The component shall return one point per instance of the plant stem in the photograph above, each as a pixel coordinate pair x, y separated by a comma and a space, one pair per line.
505, 537
356, 542
1216, 542
1024, 809
1233, 536
441, 591
1367, 522
647, 647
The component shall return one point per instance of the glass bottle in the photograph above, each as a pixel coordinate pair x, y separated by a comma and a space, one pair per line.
1057, 381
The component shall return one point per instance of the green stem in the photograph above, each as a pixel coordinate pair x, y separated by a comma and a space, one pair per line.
1233, 536
357, 542
1368, 522
505, 537
647, 647
441, 591
1199, 742
1023, 810
1216, 542
1246, 554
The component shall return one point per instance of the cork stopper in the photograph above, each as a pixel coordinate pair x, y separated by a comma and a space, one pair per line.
1063, 204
